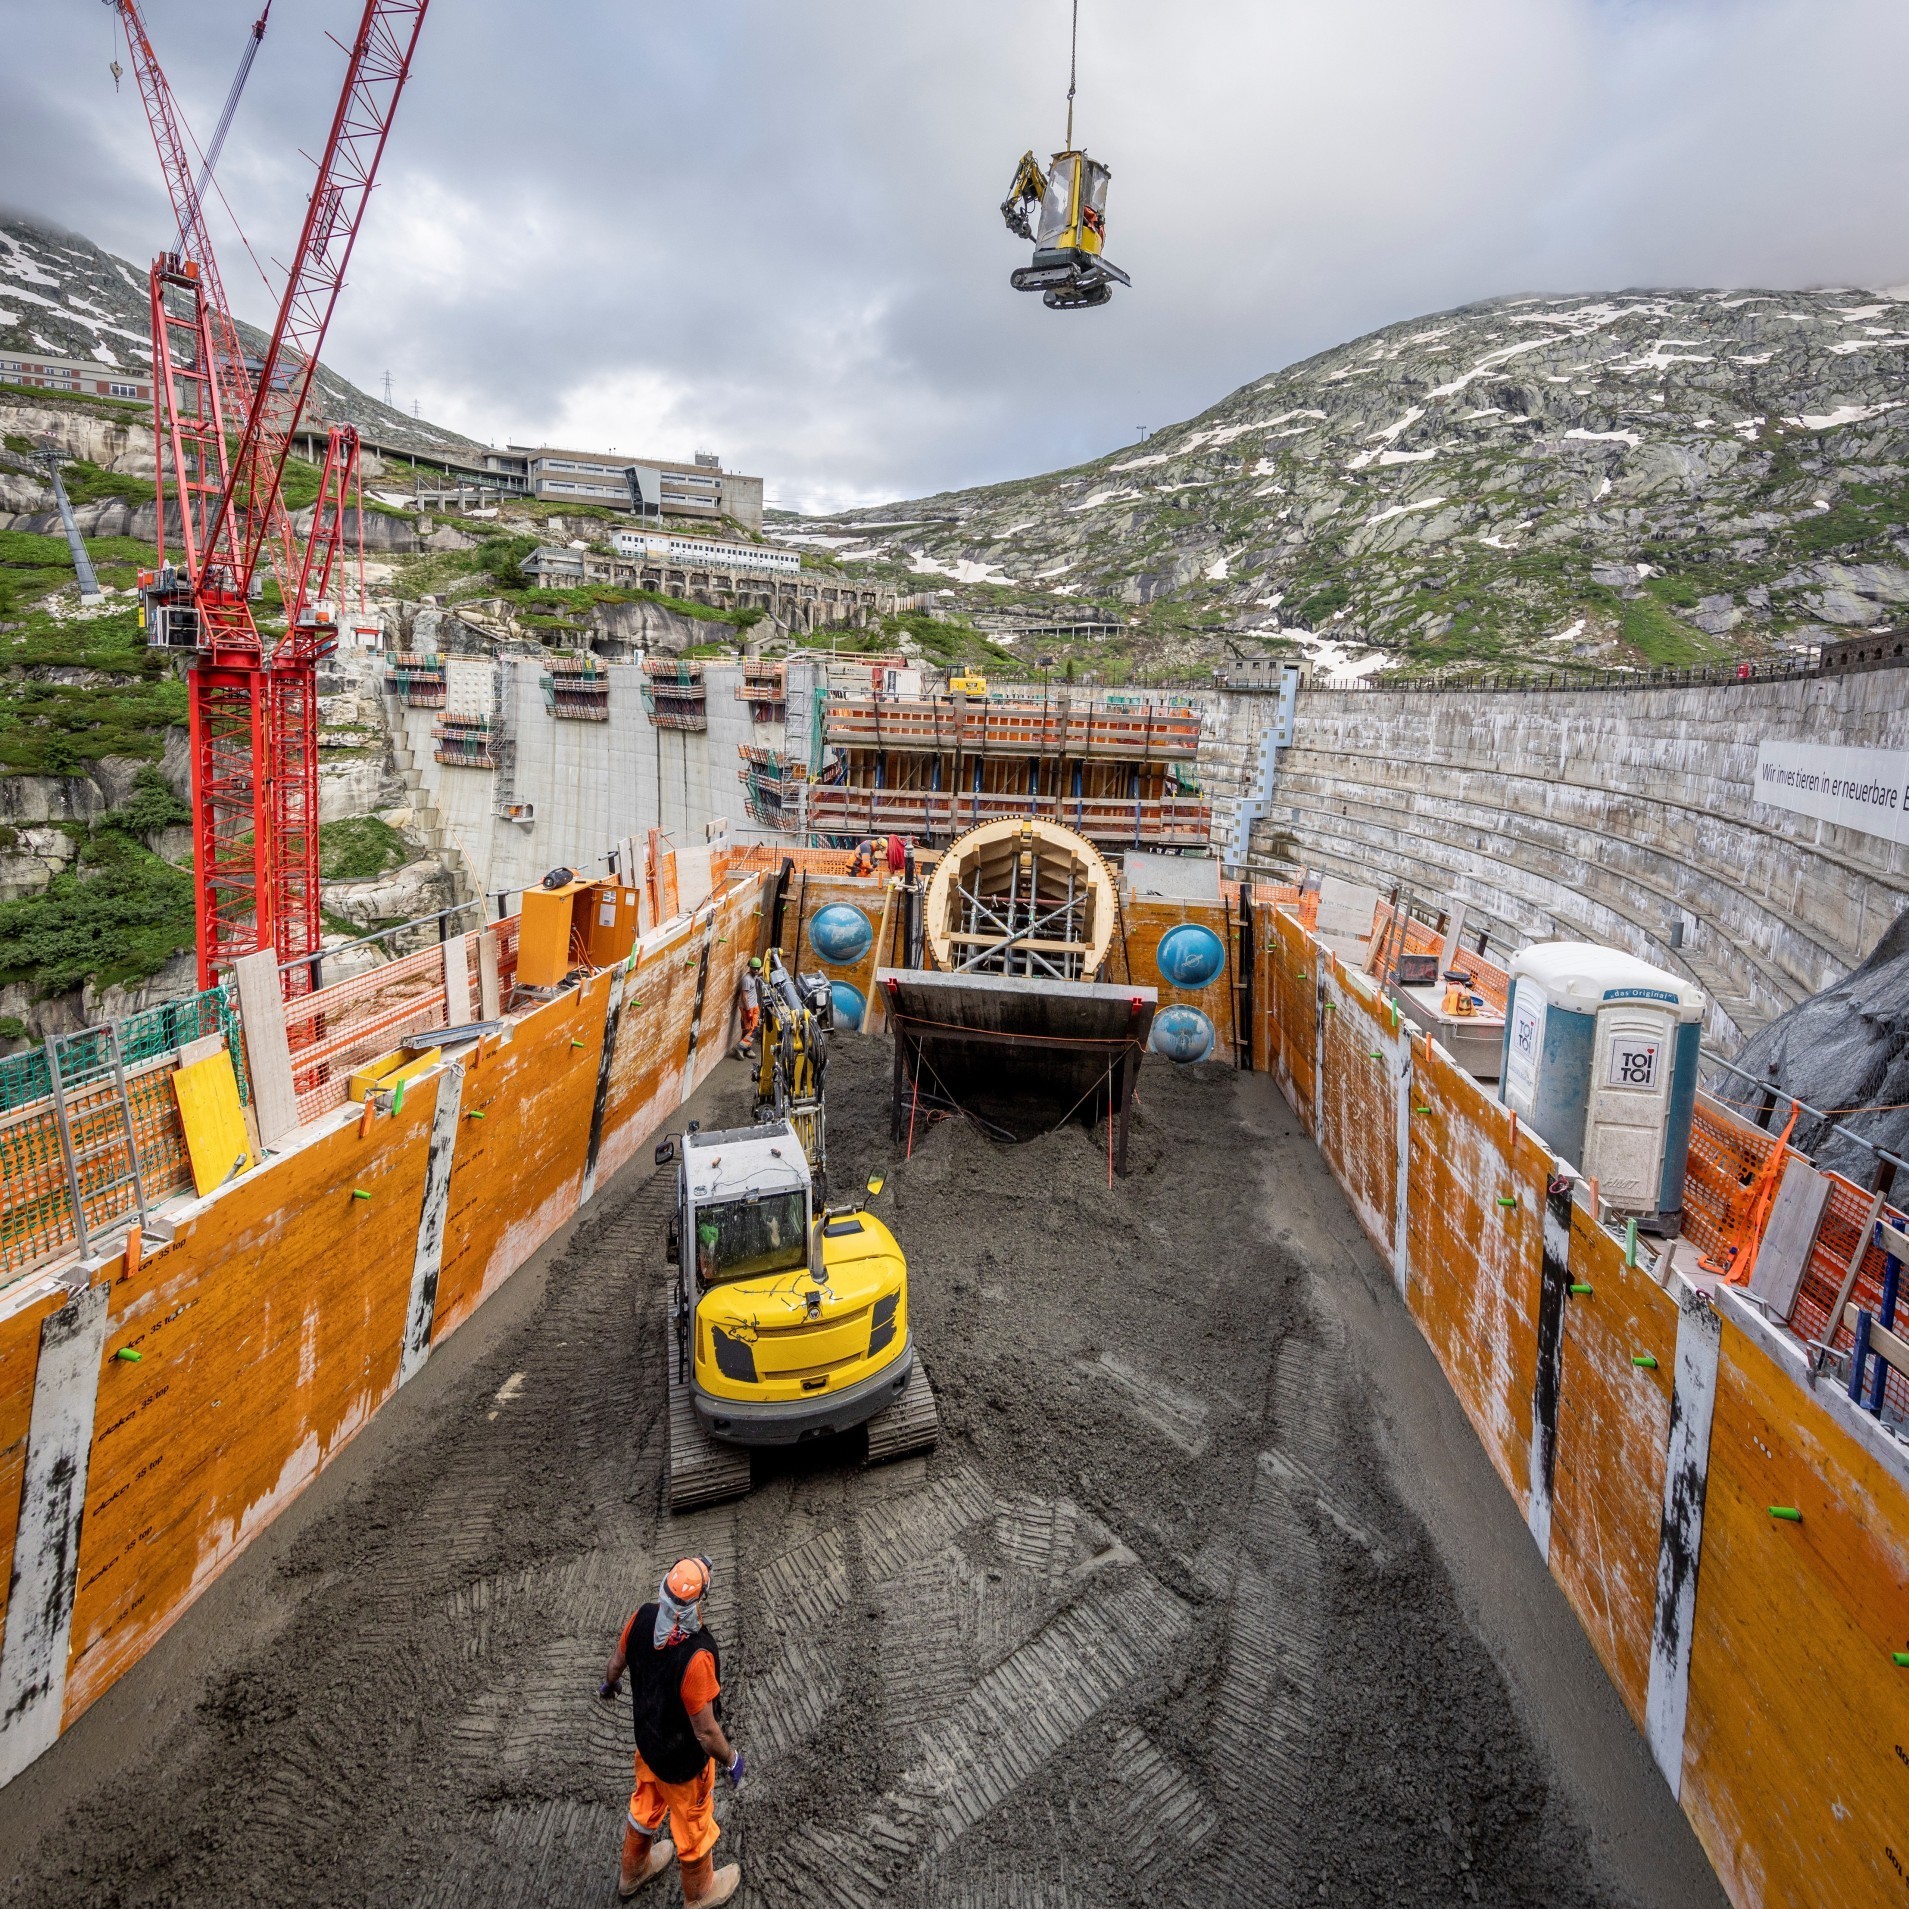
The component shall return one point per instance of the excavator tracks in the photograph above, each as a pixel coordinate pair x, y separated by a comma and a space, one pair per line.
700, 1470
911, 1424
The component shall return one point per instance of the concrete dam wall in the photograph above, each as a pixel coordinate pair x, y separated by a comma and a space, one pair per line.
1606, 814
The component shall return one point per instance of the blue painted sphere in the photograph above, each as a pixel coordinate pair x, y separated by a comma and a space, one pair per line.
849, 1005
1190, 956
840, 933
1182, 1033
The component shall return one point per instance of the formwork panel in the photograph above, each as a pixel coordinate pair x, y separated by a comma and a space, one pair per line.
808, 896
1136, 952
1476, 1263
19, 1360
659, 997
520, 1147
1294, 1003
267, 1334
1613, 1433
1796, 1753
1358, 1126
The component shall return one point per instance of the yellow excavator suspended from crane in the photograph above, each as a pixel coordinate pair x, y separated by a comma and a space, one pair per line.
1070, 268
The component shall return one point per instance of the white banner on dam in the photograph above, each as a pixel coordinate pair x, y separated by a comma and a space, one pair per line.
1865, 789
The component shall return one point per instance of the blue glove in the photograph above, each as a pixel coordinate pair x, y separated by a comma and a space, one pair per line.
610, 1688
734, 1772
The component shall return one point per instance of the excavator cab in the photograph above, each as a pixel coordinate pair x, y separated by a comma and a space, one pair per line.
1070, 268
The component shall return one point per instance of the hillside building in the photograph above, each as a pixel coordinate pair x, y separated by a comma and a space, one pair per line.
696, 570
78, 374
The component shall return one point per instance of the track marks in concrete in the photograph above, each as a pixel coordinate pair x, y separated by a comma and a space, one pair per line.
899, 1532
1177, 1416
1171, 1818
991, 1745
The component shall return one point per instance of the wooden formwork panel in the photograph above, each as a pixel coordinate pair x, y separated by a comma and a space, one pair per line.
1294, 1003
1136, 956
653, 1021
19, 1359
1265, 997
1358, 1101
807, 900
1476, 1264
1613, 1433
519, 1161
1796, 1754
267, 1334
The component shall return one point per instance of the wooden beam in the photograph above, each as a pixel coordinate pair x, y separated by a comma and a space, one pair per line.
1890, 1347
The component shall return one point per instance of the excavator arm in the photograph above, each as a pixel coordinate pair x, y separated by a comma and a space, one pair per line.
1030, 185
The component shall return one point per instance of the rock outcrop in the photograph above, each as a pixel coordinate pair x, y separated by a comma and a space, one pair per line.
1642, 478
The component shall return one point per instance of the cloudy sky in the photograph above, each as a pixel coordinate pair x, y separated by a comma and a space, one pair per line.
768, 228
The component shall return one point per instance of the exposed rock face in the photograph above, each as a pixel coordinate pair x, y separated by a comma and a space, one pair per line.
1475, 483
406, 894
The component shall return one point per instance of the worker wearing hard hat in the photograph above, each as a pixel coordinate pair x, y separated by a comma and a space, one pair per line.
750, 995
675, 1695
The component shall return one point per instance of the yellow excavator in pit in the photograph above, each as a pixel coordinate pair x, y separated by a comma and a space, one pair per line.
788, 1317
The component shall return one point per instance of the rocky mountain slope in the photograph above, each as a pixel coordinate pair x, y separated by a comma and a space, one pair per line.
62, 295
1637, 478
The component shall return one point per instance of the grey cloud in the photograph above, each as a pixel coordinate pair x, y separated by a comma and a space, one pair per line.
770, 229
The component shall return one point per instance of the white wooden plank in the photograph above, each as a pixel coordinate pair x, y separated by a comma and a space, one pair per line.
268, 1053
1686, 1471
1789, 1237
46, 1546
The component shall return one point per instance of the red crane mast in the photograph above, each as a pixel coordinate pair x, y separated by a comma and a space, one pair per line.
254, 711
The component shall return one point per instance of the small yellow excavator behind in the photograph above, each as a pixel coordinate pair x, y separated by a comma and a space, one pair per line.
1070, 268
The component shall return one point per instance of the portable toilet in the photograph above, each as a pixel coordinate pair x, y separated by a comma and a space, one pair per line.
1600, 1061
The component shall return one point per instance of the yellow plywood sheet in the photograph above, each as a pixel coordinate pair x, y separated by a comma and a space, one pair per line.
209, 1111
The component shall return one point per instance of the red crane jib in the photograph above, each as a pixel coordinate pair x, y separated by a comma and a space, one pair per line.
254, 710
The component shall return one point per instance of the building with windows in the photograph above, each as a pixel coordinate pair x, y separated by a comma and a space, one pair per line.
702, 489
78, 374
658, 547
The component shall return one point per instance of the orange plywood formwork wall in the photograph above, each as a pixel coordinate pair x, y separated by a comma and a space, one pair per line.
156, 1414
1733, 1539
1194, 971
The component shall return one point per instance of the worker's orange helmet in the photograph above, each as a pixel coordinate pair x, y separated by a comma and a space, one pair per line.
688, 1580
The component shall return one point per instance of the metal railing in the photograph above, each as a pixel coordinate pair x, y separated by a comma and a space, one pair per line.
90, 1135
1574, 681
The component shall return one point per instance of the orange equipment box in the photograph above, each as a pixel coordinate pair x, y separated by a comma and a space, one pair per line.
577, 925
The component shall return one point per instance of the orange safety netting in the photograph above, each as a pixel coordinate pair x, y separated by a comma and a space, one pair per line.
1488, 978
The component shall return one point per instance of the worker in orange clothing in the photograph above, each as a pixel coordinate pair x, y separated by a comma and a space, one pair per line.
864, 863
751, 996
676, 1701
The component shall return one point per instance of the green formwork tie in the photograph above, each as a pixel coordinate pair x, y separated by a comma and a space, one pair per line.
1788, 1514
1901, 1659
1647, 1360
1376, 1055
1507, 1199
358, 1193
1580, 1289
129, 1355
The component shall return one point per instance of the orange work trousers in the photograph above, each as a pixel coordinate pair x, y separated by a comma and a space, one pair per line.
690, 1807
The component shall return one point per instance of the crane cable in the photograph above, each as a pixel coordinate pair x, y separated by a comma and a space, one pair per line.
209, 159
1073, 56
